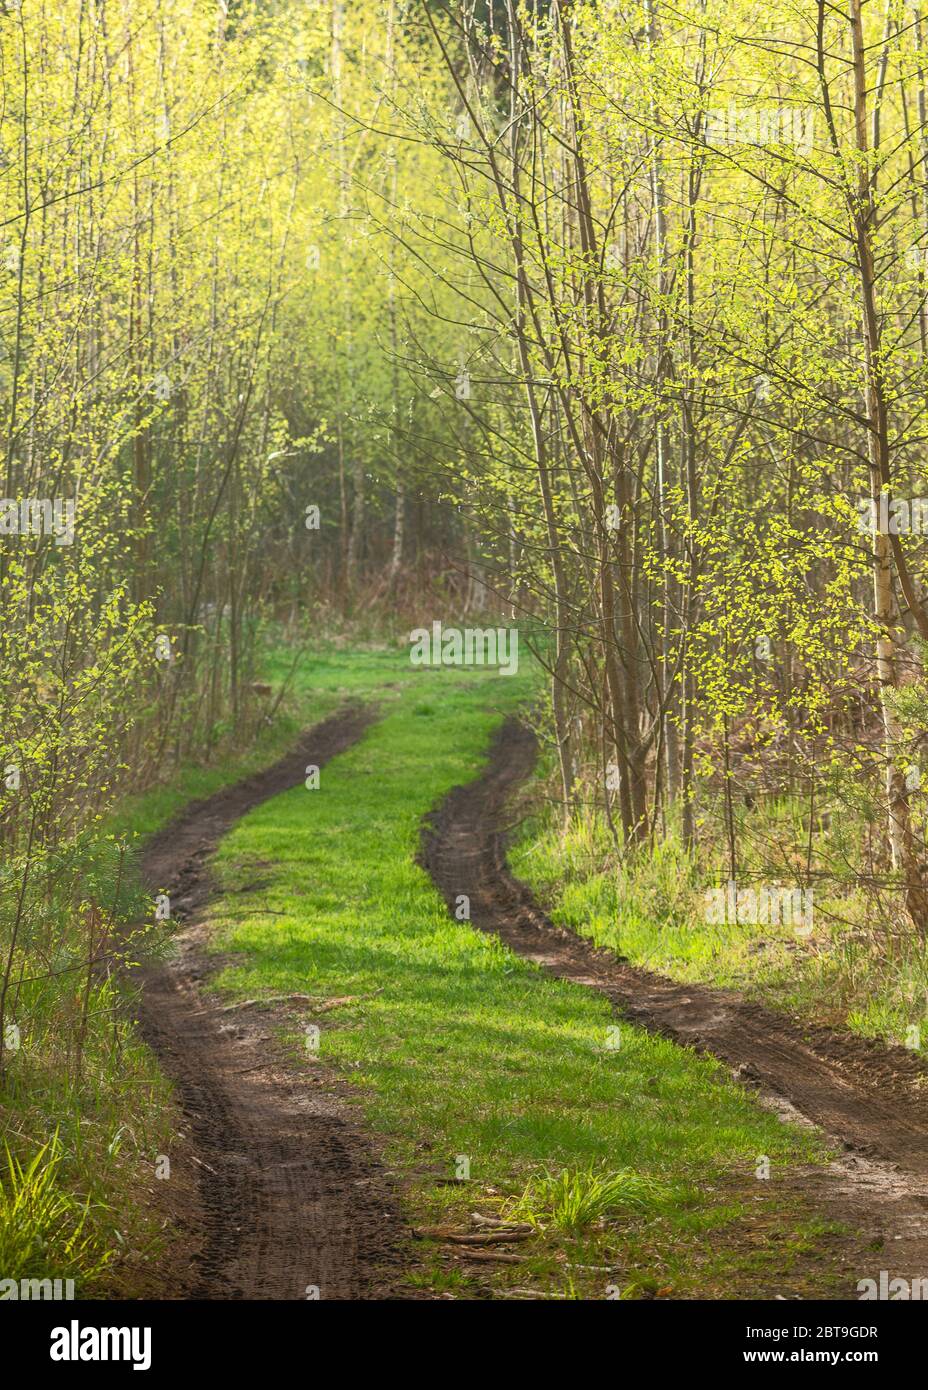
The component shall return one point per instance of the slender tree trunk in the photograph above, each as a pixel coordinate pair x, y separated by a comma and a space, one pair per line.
899, 825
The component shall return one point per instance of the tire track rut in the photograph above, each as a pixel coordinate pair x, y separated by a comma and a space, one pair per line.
289, 1194
871, 1100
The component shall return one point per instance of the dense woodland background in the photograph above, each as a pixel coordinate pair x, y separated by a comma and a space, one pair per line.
606, 321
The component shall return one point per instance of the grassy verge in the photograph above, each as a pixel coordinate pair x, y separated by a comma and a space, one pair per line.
632, 1167
82, 1103
850, 964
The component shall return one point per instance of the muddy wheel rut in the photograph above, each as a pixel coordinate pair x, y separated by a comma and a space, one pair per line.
289, 1195
871, 1100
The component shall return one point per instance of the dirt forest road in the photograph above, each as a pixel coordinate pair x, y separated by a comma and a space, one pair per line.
289, 1196
872, 1101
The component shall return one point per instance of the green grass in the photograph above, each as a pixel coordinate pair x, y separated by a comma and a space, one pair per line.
43, 1227
73, 1206
573, 1200
458, 1049
860, 967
